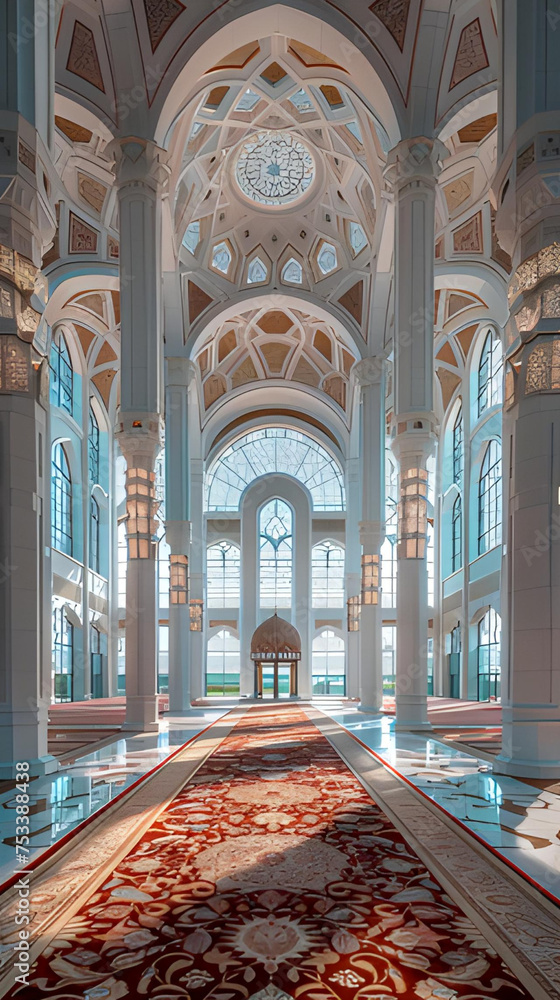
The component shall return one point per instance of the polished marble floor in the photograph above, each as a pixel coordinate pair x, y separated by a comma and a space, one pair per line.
520, 821
59, 802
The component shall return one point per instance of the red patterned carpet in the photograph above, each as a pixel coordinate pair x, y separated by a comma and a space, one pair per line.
272, 875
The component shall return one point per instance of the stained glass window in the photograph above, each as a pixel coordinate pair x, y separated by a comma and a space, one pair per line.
358, 238
222, 257
62, 376
327, 258
61, 501
223, 568
327, 574
270, 450
292, 272
191, 239
276, 555
274, 168
490, 373
257, 272
490, 499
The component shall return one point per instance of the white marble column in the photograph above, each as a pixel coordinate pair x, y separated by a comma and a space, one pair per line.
369, 375
528, 227
413, 168
27, 225
178, 529
141, 174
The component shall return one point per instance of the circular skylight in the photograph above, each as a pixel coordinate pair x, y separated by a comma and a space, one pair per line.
274, 168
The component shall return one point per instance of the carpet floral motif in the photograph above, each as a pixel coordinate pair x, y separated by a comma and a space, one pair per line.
272, 875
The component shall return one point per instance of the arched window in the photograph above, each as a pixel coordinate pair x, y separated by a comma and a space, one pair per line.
62, 656
327, 574
61, 501
490, 499
223, 567
62, 375
328, 664
456, 535
488, 656
222, 664
276, 555
164, 576
94, 518
93, 448
458, 449
490, 370
271, 450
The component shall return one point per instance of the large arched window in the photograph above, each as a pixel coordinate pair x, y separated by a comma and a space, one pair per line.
488, 655
223, 567
276, 554
93, 448
222, 663
458, 456
490, 499
456, 535
327, 574
62, 656
272, 450
94, 519
328, 664
62, 375
490, 371
61, 501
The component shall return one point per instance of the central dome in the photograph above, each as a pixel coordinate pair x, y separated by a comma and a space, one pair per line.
274, 168
276, 635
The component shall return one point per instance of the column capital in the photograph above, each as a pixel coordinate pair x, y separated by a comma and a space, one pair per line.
413, 445
140, 437
416, 159
372, 535
369, 371
180, 372
139, 161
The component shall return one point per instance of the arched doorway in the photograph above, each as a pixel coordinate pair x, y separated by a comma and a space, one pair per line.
276, 652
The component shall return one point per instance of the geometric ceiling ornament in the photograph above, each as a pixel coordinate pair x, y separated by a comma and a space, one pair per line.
394, 15
458, 191
83, 60
471, 54
91, 190
308, 56
160, 15
479, 129
82, 237
77, 133
468, 237
199, 300
449, 383
352, 301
